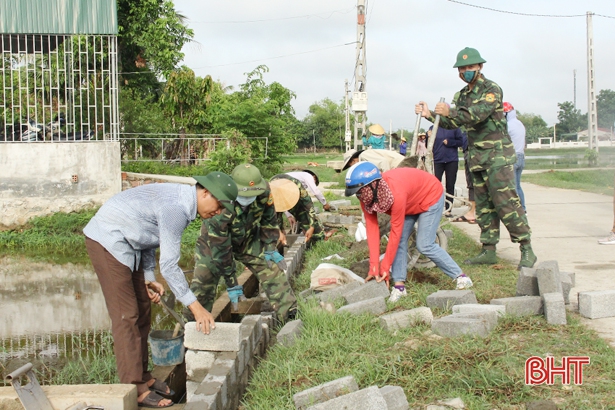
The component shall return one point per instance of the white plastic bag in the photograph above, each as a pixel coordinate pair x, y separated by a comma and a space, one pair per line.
361, 233
328, 276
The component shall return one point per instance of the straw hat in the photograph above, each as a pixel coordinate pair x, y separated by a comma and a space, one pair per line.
403, 139
348, 156
376, 129
285, 194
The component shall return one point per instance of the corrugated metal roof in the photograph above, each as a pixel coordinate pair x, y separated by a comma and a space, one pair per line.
58, 16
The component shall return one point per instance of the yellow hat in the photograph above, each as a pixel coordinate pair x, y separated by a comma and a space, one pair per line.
403, 139
285, 194
376, 129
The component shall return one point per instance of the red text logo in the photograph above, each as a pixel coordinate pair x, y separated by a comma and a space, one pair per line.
539, 371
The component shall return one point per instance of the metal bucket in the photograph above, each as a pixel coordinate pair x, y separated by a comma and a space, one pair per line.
166, 349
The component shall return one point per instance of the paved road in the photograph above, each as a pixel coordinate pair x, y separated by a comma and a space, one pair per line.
565, 227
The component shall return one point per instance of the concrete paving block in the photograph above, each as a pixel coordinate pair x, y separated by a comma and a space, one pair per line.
547, 274
395, 398
490, 317
555, 309
366, 399
406, 318
110, 396
226, 337
252, 325
527, 283
198, 364
346, 219
572, 277
213, 390
448, 233
476, 307
375, 306
521, 305
340, 202
446, 299
338, 292
567, 285
324, 392
453, 326
290, 332
368, 290
597, 304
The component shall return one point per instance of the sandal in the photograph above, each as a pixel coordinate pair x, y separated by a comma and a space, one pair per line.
160, 388
152, 400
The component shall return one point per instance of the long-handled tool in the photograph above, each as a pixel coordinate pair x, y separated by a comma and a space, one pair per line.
434, 131
166, 307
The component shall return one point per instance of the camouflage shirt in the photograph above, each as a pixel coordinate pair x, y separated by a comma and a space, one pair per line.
227, 233
479, 111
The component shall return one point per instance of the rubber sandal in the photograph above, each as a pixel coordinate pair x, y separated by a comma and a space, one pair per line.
152, 400
159, 387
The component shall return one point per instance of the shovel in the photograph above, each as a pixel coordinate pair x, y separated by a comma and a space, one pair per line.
169, 309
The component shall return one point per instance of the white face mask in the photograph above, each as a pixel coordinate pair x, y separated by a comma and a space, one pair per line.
245, 200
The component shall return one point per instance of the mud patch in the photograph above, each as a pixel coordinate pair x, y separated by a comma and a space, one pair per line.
597, 266
418, 276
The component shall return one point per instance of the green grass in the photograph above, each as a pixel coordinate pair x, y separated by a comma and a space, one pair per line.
485, 373
596, 181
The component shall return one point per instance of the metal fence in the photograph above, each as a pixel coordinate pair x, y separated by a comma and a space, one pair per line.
186, 149
58, 88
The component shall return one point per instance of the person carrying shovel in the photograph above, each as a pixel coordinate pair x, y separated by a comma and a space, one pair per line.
248, 234
121, 241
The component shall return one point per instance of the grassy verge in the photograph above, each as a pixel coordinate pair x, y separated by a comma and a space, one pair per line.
596, 181
485, 373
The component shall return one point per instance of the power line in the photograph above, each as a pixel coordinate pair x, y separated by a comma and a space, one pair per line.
331, 13
522, 14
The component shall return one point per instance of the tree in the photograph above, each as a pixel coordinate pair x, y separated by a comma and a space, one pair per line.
570, 119
535, 127
324, 125
605, 104
151, 35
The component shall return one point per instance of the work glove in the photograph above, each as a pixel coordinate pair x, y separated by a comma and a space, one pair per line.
235, 294
275, 257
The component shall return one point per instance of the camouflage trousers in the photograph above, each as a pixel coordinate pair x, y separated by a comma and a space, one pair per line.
204, 284
497, 200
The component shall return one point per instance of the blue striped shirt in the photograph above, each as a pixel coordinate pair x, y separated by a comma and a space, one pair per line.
134, 223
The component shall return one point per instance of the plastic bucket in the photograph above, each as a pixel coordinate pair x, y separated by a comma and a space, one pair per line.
166, 349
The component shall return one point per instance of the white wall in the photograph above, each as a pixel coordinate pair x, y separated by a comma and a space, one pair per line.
36, 179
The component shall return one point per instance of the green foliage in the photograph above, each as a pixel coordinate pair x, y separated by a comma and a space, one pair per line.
226, 158
596, 181
605, 104
570, 119
324, 126
591, 155
535, 127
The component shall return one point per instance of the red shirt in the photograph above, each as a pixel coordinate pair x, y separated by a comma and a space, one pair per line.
414, 192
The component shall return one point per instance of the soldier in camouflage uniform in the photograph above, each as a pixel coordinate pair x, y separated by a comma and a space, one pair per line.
249, 236
478, 108
304, 213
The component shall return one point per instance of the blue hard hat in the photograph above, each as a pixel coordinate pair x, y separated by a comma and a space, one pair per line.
360, 175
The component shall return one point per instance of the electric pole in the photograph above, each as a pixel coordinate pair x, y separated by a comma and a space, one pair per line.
348, 133
592, 115
574, 75
359, 96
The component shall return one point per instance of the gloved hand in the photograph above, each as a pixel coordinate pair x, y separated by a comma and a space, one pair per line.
235, 294
275, 257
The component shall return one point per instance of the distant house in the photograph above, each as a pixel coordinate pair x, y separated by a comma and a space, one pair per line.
603, 135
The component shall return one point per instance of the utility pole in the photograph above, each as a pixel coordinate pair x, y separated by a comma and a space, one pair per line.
574, 101
359, 96
592, 115
348, 133
390, 132
314, 141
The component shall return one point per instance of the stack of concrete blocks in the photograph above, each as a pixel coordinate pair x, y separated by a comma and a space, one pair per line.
219, 365
476, 320
293, 255
338, 203
541, 290
344, 393
366, 298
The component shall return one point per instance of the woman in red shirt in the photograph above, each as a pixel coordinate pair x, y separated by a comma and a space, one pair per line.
409, 196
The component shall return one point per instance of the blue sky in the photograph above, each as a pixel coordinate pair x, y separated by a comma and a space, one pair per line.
411, 47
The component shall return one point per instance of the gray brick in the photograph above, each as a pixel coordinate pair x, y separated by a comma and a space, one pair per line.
338, 292
225, 337
366, 399
521, 305
453, 326
375, 306
572, 277
567, 285
324, 392
475, 307
339, 202
555, 309
198, 364
490, 317
597, 304
255, 325
395, 398
547, 274
406, 318
446, 299
290, 333
527, 283
368, 290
